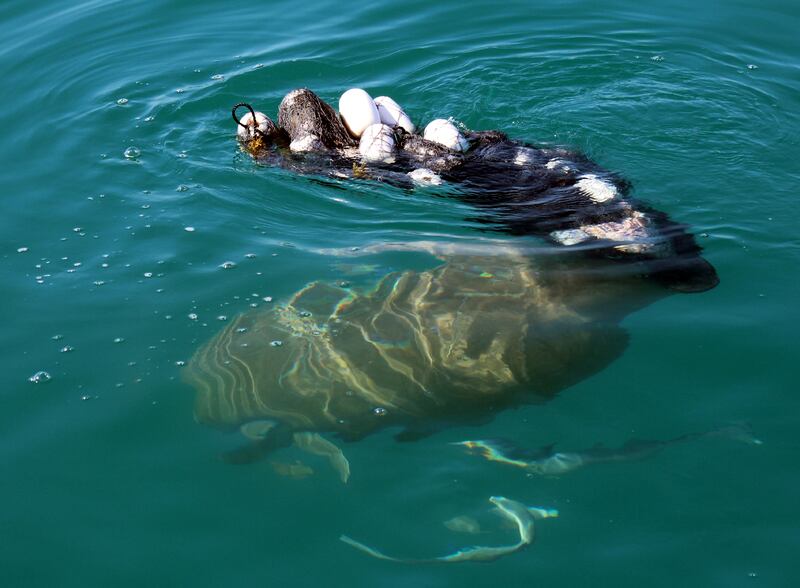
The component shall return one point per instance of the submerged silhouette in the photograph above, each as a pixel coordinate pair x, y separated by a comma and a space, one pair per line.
419, 350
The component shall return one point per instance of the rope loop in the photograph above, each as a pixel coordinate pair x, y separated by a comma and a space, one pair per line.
254, 128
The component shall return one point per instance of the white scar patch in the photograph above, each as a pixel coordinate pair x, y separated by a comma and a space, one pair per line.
631, 229
425, 177
558, 164
522, 156
570, 236
595, 188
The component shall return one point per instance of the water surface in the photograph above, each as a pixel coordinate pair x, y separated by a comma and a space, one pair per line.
108, 479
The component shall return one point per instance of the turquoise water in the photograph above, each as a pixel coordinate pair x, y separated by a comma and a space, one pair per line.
108, 480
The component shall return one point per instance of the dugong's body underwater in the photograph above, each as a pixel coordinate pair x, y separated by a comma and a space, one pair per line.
419, 350
490, 328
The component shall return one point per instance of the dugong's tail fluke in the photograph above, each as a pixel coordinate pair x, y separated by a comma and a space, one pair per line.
516, 512
373, 552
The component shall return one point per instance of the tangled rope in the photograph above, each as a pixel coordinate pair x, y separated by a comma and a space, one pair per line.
254, 127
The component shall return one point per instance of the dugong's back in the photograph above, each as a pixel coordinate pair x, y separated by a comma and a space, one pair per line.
467, 338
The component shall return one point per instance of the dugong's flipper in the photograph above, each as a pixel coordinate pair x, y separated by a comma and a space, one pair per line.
257, 430
318, 445
265, 437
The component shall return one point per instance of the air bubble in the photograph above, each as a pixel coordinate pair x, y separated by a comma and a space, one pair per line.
119, 340
132, 153
22, 249
192, 316
40, 378
189, 229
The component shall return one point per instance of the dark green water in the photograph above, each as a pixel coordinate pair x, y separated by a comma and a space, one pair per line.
106, 478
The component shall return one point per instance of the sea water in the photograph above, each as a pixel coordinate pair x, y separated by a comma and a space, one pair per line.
133, 229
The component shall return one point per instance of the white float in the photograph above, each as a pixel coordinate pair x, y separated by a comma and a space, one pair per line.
358, 111
377, 143
392, 114
265, 125
445, 133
